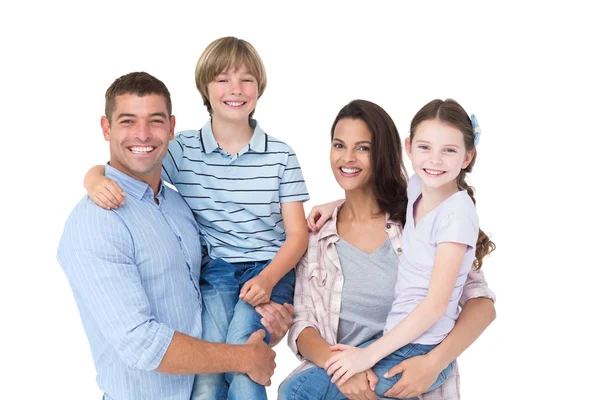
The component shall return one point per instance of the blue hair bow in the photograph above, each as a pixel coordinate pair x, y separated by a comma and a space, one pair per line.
476, 129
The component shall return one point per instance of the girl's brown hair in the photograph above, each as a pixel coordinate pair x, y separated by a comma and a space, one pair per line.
450, 112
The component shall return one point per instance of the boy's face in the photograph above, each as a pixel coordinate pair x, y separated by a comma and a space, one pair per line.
139, 135
233, 95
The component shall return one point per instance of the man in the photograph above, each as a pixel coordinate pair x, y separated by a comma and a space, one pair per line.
135, 270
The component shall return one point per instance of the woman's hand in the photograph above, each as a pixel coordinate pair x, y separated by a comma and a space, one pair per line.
276, 318
361, 386
418, 374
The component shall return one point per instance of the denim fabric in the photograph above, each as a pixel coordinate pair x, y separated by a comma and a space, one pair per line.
226, 319
315, 384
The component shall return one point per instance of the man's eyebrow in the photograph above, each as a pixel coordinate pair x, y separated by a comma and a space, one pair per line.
125, 115
159, 114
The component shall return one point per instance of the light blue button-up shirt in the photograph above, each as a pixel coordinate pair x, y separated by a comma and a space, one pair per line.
135, 273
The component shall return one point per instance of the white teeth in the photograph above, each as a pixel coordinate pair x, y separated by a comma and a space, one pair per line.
234, 103
432, 172
350, 170
139, 149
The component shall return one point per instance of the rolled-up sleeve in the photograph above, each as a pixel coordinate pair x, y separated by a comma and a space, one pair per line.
304, 307
476, 286
96, 253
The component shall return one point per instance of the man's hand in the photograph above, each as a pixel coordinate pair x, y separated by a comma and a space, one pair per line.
262, 360
256, 291
276, 318
361, 386
418, 374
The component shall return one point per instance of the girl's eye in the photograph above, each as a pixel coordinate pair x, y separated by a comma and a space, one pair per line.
450, 151
423, 147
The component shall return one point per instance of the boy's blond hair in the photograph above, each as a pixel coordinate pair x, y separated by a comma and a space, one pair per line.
222, 54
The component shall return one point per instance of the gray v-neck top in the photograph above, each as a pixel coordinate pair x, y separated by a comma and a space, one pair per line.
368, 292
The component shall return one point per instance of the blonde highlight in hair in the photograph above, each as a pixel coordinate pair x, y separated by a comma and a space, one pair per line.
450, 112
223, 54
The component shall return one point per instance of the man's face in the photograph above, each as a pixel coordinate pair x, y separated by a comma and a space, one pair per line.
139, 134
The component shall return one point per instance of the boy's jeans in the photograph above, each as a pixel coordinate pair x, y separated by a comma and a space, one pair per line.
315, 384
227, 319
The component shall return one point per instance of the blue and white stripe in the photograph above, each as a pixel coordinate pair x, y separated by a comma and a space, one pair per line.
135, 273
236, 199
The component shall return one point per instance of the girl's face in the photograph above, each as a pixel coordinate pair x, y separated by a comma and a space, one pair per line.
233, 95
438, 153
350, 154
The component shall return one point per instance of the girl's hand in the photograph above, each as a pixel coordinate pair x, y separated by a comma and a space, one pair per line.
418, 374
320, 214
256, 291
347, 362
105, 192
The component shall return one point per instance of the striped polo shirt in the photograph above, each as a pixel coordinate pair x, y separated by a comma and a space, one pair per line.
236, 197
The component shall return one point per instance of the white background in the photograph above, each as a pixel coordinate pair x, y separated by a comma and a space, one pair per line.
528, 70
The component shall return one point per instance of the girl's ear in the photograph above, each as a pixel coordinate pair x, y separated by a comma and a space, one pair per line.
468, 158
408, 148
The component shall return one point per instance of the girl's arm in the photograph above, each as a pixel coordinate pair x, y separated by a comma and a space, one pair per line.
448, 260
419, 373
258, 290
105, 192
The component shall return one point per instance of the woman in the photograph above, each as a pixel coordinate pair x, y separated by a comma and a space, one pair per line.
345, 281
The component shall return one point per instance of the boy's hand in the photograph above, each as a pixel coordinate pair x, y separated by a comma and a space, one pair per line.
320, 214
256, 291
105, 193
276, 318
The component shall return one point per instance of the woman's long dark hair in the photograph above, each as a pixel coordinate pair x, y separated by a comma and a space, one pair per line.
389, 177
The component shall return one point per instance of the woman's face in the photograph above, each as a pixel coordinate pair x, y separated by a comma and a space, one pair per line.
350, 154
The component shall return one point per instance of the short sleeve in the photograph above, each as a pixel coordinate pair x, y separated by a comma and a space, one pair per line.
292, 186
172, 160
457, 227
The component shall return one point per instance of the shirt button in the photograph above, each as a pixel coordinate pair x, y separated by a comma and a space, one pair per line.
399, 250
388, 226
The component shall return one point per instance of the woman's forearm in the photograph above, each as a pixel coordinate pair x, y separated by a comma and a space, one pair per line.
313, 347
475, 317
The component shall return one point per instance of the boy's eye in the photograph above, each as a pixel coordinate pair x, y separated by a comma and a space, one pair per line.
450, 151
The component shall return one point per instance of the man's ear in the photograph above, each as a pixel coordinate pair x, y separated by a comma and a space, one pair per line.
105, 124
172, 132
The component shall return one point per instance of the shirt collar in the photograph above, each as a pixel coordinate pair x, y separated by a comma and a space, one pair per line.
132, 186
257, 144
330, 227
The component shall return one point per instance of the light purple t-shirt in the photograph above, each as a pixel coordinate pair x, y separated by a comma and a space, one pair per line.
454, 220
